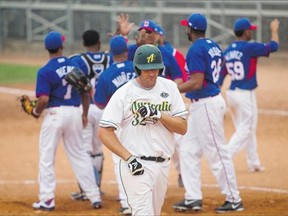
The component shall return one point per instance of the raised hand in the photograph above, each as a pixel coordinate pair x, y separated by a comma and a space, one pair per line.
123, 26
274, 25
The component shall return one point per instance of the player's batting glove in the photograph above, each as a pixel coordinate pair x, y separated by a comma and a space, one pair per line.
135, 166
147, 111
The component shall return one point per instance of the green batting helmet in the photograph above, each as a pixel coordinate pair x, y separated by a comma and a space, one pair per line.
148, 57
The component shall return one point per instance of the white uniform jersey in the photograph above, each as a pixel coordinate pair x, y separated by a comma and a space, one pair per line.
121, 112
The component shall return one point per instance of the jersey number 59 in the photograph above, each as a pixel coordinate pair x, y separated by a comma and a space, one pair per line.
236, 70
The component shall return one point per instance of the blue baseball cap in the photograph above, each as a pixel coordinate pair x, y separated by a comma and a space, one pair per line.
160, 30
196, 22
118, 45
243, 24
148, 25
54, 40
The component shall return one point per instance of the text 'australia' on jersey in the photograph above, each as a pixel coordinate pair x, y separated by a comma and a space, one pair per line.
111, 79
241, 62
51, 82
205, 56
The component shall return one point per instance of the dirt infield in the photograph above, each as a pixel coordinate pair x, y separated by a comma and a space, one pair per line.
263, 193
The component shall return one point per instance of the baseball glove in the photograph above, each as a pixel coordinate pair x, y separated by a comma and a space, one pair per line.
78, 80
28, 105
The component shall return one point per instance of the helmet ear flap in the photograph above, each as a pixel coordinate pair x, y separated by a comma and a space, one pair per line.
138, 71
161, 71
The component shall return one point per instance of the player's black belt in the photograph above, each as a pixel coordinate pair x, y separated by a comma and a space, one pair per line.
63, 106
198, 99
156, 159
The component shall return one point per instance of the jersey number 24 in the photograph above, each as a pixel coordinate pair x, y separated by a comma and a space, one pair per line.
216, 68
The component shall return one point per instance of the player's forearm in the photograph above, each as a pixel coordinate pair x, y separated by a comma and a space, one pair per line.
41, 104
111, 141
194, 83
174, 124
188, 86
274, 26
178, 81
275, 36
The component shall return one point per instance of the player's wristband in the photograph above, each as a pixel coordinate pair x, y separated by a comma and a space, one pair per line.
35, 114
129, 159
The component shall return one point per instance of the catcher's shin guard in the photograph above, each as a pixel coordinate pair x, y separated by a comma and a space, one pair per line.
97, 161
97, 176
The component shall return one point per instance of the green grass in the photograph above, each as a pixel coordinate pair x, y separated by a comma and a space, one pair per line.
17, 74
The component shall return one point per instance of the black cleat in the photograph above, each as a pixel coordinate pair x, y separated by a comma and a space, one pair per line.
229, 206
79, 196
97, 205
125, 211
188, 205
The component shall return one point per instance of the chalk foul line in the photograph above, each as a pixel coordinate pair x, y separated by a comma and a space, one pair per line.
273, 112
113, 182
252, 188
19, 92
15, 91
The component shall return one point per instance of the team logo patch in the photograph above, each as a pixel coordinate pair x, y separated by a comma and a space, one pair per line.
164, 94
151, 58
146, 23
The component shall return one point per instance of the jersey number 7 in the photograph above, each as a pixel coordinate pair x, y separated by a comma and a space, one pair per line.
67, 96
